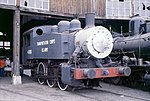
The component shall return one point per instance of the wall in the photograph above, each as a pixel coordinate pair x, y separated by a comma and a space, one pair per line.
8, 2
140, 7
118, 9
35, 4
78, 6
109, 9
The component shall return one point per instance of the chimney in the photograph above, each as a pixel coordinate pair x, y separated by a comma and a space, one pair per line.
90, 20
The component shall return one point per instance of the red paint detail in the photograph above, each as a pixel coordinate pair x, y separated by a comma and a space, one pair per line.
2, 63
113, 72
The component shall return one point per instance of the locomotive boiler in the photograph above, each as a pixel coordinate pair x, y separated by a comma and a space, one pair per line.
134, 49
68, 56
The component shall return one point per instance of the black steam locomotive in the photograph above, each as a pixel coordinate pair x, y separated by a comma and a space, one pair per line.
134, 50
68, 56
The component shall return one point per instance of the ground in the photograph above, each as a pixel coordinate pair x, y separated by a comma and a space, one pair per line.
30, 90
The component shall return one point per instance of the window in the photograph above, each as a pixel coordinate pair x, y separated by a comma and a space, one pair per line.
1, 43
5, 45
121, 0
39, 31
35, 4
27, 40
131, 27
7, 48
1, 33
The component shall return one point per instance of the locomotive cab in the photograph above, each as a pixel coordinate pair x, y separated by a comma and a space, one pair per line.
135, 25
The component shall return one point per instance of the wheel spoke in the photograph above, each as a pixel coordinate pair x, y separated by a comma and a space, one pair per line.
41, 81
51, 83
62, 86
41, 72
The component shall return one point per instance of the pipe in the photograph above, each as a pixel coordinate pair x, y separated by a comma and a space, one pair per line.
90, 20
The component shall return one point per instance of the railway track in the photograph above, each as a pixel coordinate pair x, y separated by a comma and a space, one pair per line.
34, 92
85, 95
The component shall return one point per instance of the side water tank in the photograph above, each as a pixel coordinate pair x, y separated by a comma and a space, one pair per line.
54, 29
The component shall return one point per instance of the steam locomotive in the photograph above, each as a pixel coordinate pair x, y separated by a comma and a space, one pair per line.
65, 55
133, 50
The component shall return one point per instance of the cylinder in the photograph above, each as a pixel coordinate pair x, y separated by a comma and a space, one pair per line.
97, 41
132, 43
